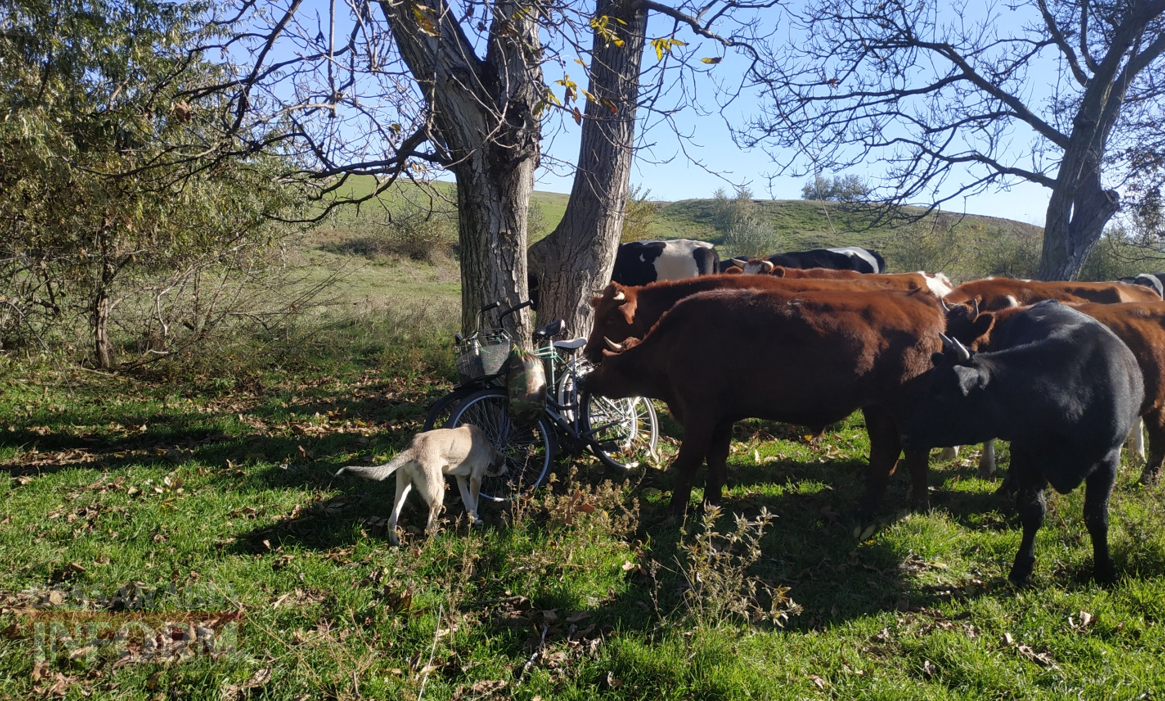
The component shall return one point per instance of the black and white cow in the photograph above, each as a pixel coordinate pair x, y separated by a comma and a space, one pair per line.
1156, 281
1064, 390
863, 260
641, 262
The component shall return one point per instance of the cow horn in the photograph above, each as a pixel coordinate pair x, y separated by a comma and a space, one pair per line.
957, 346
975, 306
944, 305
619, 296
617, 347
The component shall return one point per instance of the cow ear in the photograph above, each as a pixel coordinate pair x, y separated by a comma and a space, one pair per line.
777, 271
970, 379
595, 302
982, 326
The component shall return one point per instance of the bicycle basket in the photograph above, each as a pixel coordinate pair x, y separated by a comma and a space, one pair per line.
482, 357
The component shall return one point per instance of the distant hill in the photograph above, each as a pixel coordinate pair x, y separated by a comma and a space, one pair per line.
962, 246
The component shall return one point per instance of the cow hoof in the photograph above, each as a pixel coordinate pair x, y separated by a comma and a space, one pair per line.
1148, 479
1007, 489
1021, 572
1105, 574
1020, 581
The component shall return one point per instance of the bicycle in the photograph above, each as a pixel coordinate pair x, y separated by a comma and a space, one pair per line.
480, 358
619, 432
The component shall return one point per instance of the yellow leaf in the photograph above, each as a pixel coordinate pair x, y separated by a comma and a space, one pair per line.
713, 61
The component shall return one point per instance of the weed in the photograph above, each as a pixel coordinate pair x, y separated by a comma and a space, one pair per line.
715, 569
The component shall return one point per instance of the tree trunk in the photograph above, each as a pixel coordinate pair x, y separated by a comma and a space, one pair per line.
1074, 224
102, 349
493, 199
1080, 207
483, 116
574, 262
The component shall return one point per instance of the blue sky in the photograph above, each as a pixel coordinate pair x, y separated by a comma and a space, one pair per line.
680, 179
667, 170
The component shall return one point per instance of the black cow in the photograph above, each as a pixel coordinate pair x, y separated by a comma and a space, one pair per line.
1064, 390
641, 262
863, 260
1156, 281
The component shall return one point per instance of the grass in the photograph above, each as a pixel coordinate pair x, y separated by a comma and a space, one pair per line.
212, 491
203, 487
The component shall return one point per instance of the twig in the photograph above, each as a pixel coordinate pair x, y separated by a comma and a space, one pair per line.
432, 651
534, 656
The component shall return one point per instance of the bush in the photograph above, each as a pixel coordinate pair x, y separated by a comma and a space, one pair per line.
848, 188
750, 238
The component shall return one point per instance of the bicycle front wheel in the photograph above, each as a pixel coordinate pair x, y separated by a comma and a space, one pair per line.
443, 408
624, 432
528, 448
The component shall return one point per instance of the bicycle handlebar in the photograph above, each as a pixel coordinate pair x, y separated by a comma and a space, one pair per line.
513, 309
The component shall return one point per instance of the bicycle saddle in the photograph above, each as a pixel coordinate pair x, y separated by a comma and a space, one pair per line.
552, 329
572, 344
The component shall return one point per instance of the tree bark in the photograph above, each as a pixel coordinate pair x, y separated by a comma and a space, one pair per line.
574, 262
102, 349
483, 115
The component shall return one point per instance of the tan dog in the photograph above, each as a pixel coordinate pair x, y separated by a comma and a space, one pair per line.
464, 452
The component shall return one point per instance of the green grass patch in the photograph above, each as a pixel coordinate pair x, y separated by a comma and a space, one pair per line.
208, 488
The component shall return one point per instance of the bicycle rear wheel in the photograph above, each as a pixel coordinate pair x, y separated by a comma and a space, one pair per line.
624, 431
529, 448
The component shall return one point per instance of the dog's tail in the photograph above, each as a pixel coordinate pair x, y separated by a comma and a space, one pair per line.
378, 472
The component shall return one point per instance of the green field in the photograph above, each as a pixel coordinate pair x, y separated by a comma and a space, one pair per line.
203, 487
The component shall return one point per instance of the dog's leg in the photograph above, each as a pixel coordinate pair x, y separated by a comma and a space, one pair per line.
433, 491
469, 497
403, 486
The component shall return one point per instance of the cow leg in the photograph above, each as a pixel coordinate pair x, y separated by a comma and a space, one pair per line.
1136, 441
987, 466
1155, 428
1031, 506
917, 462
951, 452
718, 462
693, 448
885, 447
1098, 489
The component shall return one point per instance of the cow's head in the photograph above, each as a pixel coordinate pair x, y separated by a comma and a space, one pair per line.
758, 266
614, 320
954, 409
967, 325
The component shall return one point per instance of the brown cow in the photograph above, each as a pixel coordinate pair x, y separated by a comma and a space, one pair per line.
937, 283
623, 312
995, 293
1141, 325
811, 358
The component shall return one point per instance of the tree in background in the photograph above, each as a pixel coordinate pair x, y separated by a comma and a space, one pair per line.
743, 229
405, 90
114, 168
1063, 94
841, 188
641, 212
